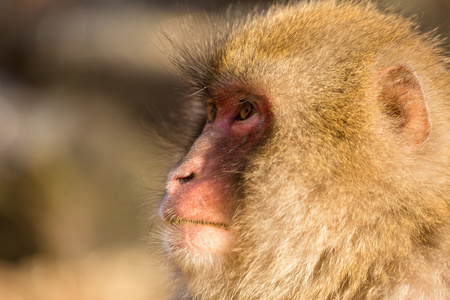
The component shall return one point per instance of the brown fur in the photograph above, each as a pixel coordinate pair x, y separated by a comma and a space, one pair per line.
334, 204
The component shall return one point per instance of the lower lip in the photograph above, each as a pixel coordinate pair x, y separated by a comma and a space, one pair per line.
203, 238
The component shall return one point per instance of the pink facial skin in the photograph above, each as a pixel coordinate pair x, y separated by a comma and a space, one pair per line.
200, 200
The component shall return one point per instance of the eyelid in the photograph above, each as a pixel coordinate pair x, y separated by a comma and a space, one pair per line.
251, 101
245, 101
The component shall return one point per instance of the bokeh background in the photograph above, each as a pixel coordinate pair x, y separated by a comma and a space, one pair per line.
83, 86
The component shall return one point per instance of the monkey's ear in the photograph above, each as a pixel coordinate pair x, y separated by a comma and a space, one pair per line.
404, 103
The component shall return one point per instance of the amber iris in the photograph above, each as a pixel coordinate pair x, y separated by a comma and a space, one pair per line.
212, 113
247, 110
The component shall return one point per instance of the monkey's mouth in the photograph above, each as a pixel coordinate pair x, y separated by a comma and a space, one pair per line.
199, 236
177, 222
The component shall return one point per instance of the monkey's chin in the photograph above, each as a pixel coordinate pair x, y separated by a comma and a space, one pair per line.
200, 238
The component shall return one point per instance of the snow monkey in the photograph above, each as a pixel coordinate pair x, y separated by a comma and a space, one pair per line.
322, 169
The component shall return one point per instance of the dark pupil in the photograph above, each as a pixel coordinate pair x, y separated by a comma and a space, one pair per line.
245, 112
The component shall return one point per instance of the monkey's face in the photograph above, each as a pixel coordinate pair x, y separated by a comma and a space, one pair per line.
201, 197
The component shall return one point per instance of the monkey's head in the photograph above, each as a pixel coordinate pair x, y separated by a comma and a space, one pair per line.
315, 158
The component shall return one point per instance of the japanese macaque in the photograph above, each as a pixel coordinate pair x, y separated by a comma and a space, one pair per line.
323, 167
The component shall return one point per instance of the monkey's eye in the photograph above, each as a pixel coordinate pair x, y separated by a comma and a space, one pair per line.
212, 112
247, 110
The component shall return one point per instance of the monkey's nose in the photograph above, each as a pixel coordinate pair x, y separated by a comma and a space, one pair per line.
177, 181
185, 179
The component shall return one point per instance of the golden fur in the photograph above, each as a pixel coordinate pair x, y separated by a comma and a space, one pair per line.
333, 205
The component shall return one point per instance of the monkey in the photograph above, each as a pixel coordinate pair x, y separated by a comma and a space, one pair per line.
321, 166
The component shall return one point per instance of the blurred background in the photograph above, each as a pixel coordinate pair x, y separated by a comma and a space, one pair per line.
82, 86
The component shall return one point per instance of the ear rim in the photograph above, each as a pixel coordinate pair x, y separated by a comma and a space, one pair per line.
403, 98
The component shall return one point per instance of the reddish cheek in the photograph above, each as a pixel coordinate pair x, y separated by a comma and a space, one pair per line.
247, 134
241, 134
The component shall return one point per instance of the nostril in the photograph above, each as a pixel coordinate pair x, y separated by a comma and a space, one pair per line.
186, 179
